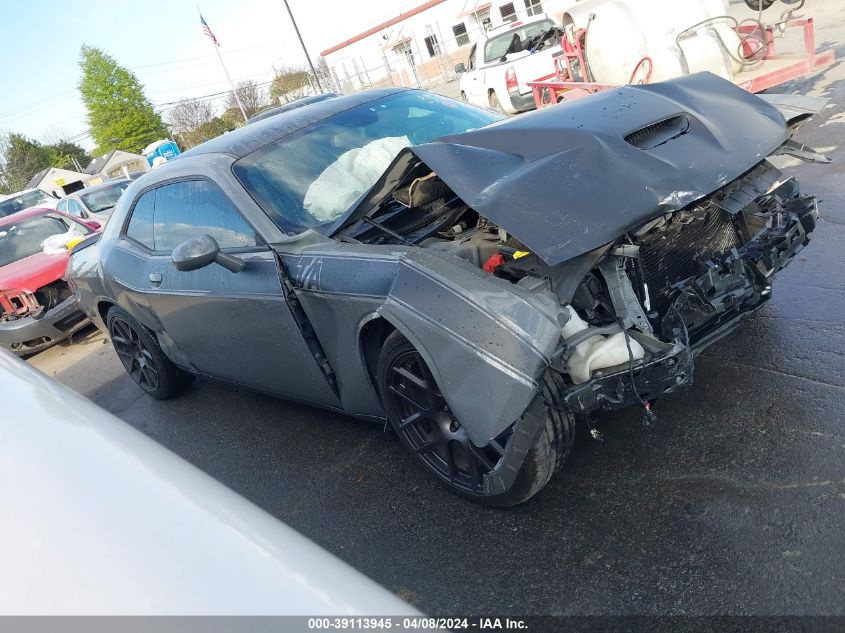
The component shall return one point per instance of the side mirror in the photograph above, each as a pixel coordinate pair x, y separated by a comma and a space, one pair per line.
91, 224
460, 68
201, 251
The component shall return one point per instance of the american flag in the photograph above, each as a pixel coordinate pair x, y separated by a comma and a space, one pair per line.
207, 31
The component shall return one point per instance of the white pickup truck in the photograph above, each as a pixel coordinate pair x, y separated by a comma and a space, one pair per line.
505, 59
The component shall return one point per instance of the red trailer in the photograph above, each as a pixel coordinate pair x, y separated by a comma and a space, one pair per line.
571, 79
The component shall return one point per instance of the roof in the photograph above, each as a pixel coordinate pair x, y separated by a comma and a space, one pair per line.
37, 178
108, 184
254, 136
98, 163
384, 25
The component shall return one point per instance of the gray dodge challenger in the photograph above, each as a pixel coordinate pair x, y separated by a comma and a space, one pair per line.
479, 283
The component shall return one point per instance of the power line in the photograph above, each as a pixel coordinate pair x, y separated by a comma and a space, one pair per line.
189, 59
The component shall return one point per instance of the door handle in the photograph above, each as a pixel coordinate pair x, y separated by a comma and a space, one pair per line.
155, 278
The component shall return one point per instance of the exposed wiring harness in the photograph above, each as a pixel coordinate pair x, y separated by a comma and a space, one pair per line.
649, 416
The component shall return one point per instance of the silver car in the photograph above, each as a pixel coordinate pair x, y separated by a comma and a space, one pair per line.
94, 203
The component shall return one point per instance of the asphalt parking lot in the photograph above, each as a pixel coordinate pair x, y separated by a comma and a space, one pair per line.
732, 503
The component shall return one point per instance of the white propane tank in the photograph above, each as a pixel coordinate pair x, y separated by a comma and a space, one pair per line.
623, 32
597, 352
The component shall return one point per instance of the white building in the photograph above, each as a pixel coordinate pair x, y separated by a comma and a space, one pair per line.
421, 46
115, 164
57, 181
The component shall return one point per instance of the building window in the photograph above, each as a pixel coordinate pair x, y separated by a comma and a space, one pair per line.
461, 37
432, 45
483, 18
508, 12
533, 7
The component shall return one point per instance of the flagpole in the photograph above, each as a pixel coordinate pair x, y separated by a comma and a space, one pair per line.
226, 71
302, 43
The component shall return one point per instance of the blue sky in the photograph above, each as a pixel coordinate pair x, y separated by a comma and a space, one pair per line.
162, 42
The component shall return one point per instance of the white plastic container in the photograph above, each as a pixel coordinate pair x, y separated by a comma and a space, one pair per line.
623, 32
597, 352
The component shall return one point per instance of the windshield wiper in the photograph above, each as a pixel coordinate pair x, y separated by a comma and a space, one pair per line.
383, 228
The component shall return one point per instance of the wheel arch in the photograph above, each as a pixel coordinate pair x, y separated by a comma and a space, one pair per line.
103, 307
372, 333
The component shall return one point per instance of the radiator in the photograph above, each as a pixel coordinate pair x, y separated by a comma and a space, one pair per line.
678, 250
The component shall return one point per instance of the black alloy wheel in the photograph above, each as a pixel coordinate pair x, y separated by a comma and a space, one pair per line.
133, 353
426, 426
143, 358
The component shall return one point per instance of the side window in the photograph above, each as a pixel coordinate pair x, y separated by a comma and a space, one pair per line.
184, 210
62, 206
73, 208
140, 226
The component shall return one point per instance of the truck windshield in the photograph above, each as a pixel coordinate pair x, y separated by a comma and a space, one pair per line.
513, 40
22, 201
310, 178
22, 239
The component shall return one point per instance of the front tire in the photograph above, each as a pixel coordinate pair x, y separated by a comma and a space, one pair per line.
143, 358
425, 426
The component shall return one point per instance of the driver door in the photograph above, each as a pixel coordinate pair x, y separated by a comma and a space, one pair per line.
232, 326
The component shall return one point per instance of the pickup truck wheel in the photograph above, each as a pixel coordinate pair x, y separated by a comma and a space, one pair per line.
463, 96
426, 426
142, 357
494, 103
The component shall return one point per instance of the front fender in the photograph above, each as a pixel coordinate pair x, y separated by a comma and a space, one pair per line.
487, 347
486, 341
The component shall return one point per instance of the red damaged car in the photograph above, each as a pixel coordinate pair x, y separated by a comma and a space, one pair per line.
37, 308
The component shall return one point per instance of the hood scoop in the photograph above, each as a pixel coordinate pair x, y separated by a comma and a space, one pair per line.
657, 134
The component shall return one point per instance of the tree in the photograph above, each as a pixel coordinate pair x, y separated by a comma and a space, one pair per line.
63, 154
290, 83
119, 115
21, 158
252, 97
188, 118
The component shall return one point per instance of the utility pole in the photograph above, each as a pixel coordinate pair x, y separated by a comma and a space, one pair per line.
302, 43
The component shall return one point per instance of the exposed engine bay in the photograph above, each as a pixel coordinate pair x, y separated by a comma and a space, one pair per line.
637, 309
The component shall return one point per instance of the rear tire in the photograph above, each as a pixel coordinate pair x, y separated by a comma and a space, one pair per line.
464, 97
426, 427
142, 357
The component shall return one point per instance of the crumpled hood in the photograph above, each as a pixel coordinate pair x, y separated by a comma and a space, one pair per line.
33, 272
567, 179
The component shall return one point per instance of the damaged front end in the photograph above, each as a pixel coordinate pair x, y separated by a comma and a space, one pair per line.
670, 237
695, 273
33, 321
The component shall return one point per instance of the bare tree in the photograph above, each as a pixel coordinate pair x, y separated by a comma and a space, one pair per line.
189, 114
189, 119
253, 97
290, 83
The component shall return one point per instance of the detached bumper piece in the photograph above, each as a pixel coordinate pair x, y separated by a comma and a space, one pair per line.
30, 334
